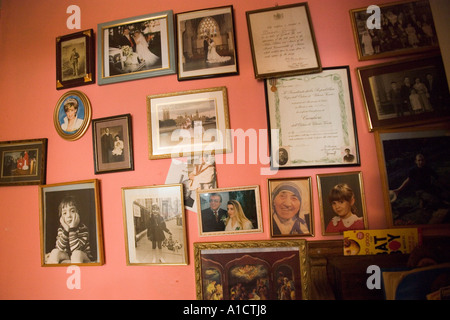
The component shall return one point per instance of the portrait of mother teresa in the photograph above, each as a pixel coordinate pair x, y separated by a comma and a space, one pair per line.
286, 204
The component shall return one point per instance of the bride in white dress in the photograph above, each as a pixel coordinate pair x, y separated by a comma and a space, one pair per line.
142, 50
213, 56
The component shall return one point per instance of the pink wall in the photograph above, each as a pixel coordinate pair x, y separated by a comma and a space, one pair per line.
28, 30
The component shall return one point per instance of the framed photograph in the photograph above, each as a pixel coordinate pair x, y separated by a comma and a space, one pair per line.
342, 202
70, 213
415, 175
311, 119
23, 162
112, 139
251, 270
155, 225
402, 27
188, 123
404, 93
136, 48
75, 59
282, 41
206, 43
291, 207
229, 211
72, 115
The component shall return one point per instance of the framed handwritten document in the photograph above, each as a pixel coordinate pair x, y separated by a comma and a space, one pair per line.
282, 41
311, 120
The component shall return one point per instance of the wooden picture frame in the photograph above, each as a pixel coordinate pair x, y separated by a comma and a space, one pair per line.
188, 123
72, 115
267, 270
342, 202
23, 162
405, 154
136, 48
405, 27
311, 120
206, 43
238, 211
75, 59
282, 41
391, 104
155, 225
112, 140
60, 203
290, 199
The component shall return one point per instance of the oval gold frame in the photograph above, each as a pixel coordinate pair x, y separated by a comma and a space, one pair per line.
87, 116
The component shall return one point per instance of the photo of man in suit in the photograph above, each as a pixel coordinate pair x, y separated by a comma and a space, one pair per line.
213, 217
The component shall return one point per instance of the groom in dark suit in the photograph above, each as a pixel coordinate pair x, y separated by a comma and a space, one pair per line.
206, 47
213, 218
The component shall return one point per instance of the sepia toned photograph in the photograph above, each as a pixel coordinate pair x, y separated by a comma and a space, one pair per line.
155, 225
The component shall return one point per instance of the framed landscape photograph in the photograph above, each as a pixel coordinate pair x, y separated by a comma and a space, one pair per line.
206, 43
71, 212
405, 92
155, 225
251, 270
229, 211
112, 139
291, 207
136, 48
282, 41
415, 175
72, 115
188, 123
342, 202
404, 27
311, 120
75, 59
23, 162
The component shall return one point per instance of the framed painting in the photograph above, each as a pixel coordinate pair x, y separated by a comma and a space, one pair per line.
112, 139
282, 41
188, 123
311, 120
402, 27
23, 162
405, 92
342, 202
415, 175
75, 59
72, 115
206, 43
251, 270
155, 225
291, 207
136, 48
71, 211
229, 211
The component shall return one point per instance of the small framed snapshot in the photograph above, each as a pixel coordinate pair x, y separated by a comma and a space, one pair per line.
23, 162
282, 41
312, 120
206, 43
70, 212
230, 211
155, 225
188, 123
415, 175
406, 92
136, 48
112, 139
291, 207
75, 59
72, 115
402, 27
252, 270
342, 202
